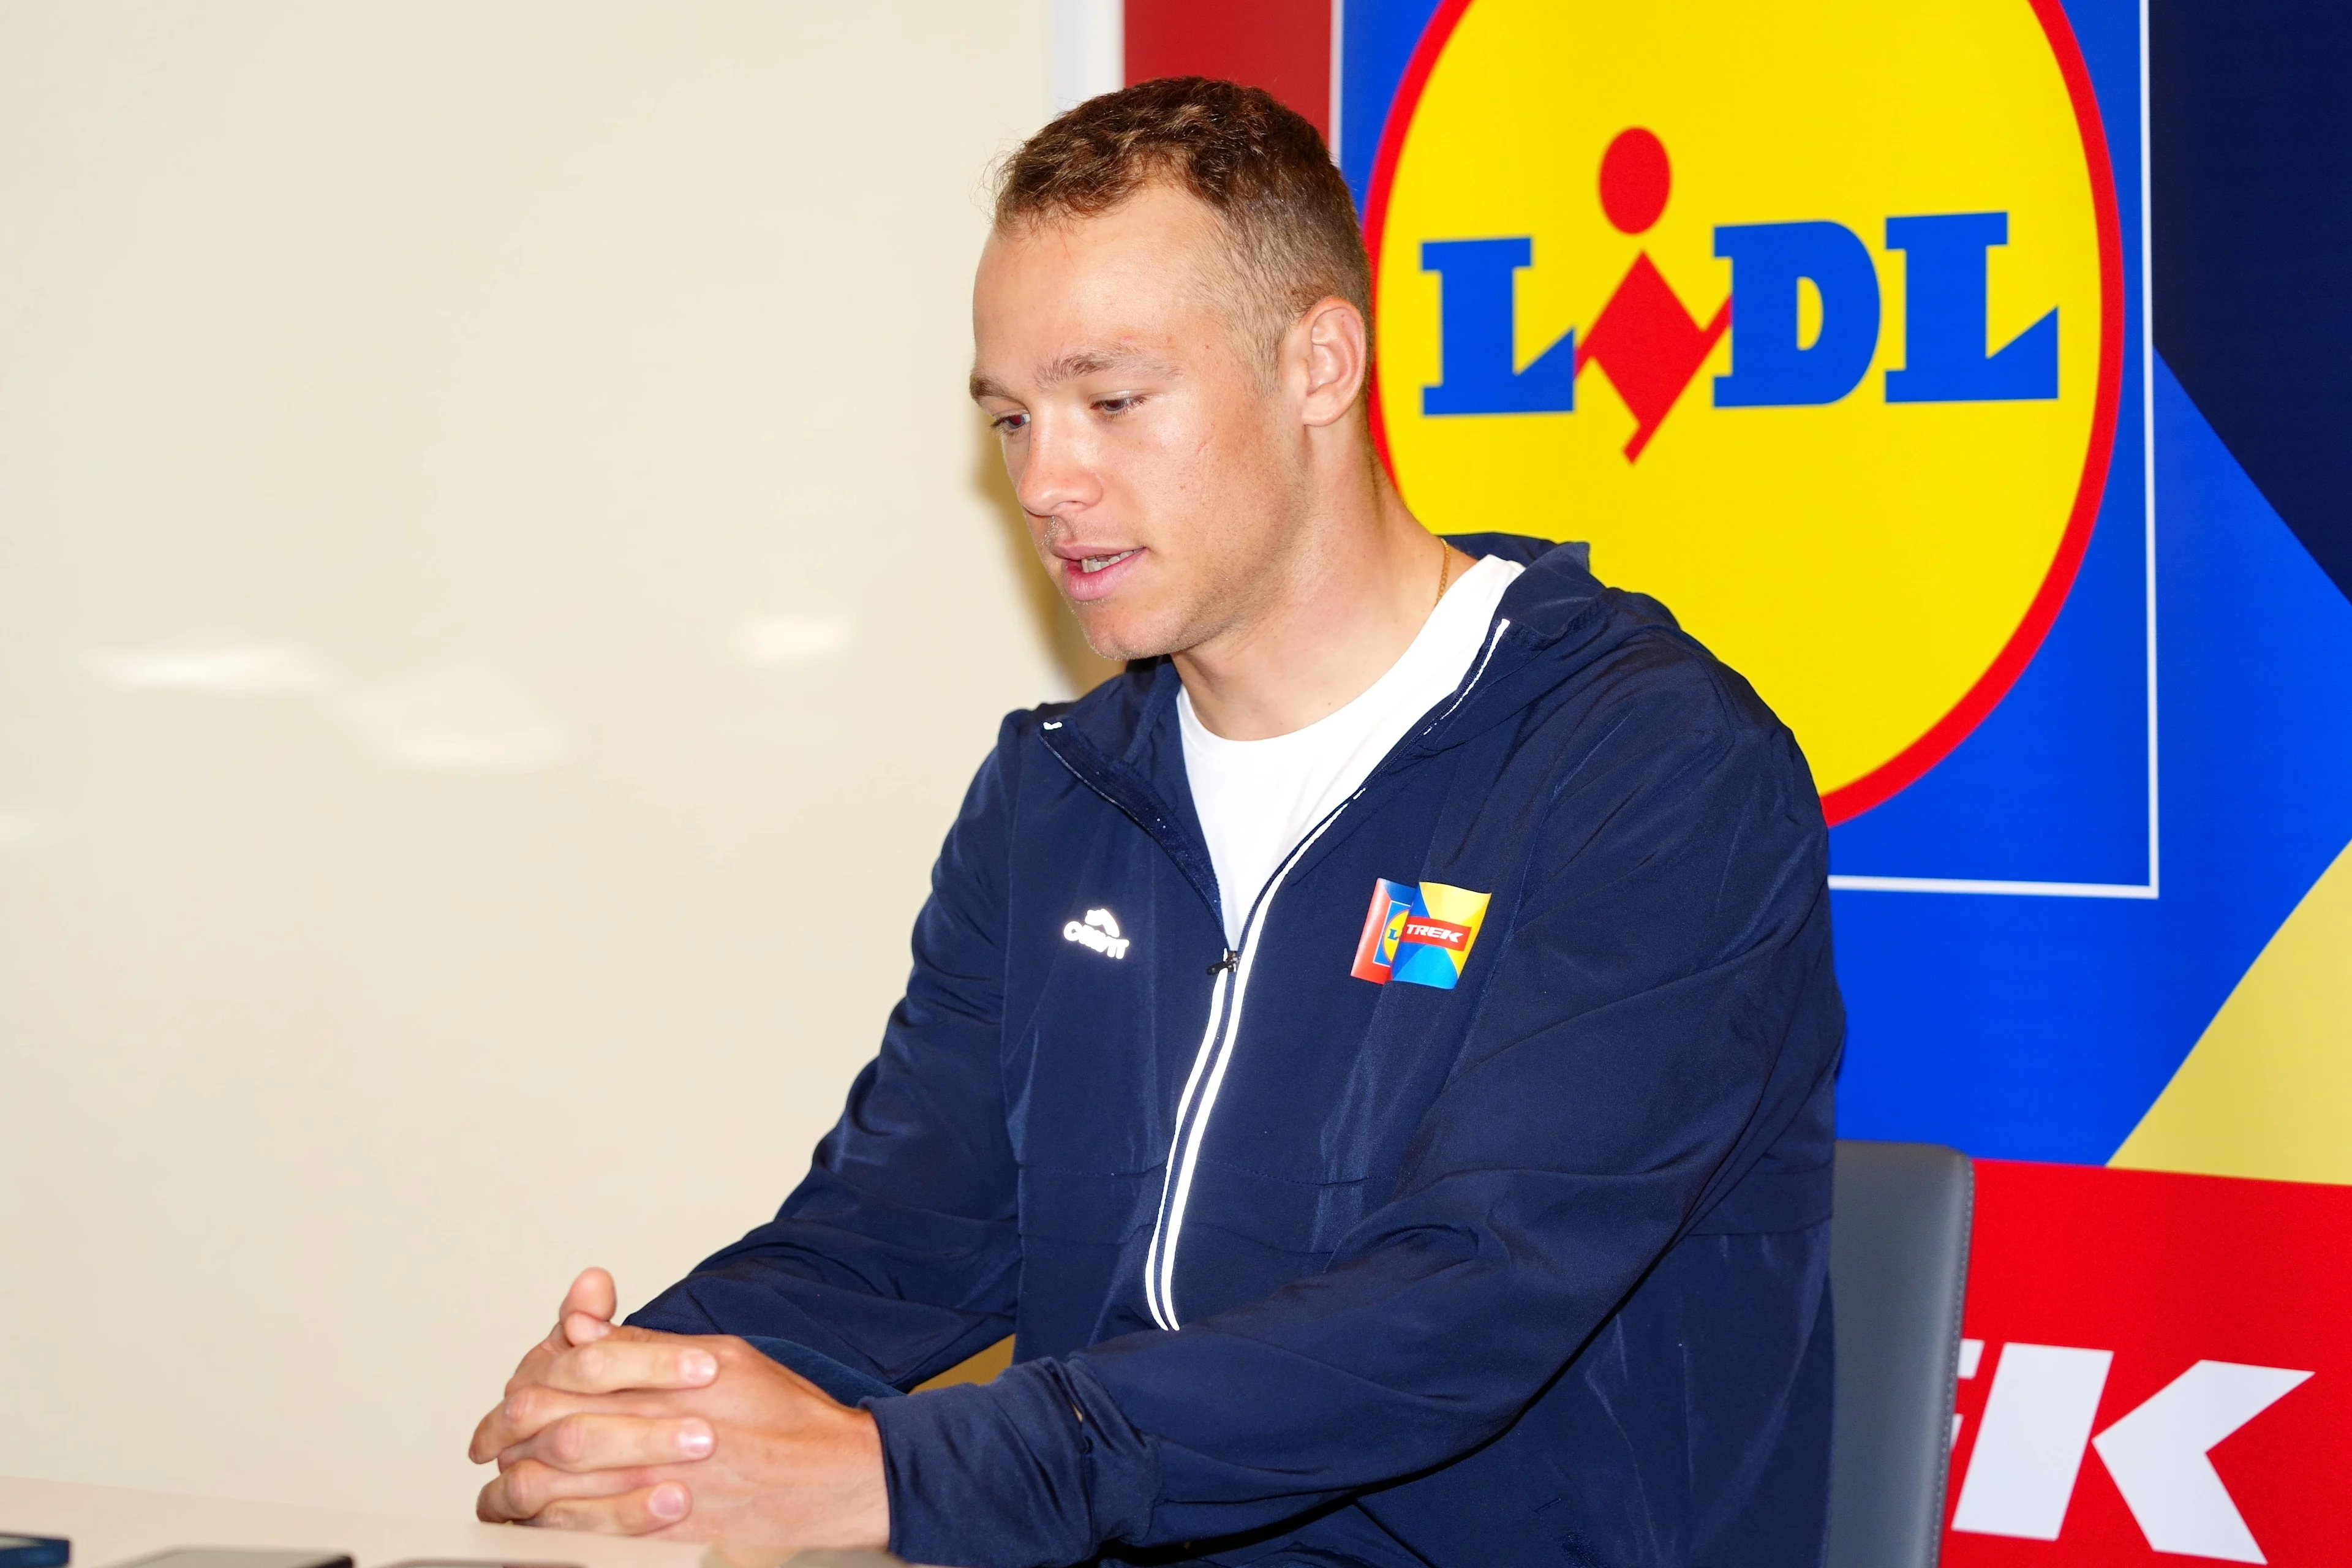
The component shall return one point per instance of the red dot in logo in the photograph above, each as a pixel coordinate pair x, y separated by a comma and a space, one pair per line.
1634, 180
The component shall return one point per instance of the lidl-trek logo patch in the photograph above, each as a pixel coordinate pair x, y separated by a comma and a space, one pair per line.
1419, 934
1809, 317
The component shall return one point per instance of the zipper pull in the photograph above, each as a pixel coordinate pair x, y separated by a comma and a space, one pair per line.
1232, 960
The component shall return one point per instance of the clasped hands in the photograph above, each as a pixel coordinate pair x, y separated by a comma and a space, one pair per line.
631, 1432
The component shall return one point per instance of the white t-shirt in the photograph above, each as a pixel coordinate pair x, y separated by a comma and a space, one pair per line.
1257, 798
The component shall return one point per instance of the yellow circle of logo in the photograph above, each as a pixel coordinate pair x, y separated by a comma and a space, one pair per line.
1808, 317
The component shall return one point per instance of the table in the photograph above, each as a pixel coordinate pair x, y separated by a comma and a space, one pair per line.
113, 1525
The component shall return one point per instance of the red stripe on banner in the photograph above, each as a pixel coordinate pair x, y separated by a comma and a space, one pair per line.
1282, 45
1376, 204
2173, 1359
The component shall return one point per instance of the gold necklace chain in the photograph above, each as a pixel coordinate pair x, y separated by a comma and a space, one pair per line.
1445, 571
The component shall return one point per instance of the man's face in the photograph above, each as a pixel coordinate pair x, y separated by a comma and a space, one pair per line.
1147, 439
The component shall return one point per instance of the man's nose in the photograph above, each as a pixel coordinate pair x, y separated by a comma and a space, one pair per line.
1058, 473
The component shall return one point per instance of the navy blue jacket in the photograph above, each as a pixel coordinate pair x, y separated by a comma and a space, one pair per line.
1306, 1269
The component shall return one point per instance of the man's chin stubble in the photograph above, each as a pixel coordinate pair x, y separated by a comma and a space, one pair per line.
1110, 643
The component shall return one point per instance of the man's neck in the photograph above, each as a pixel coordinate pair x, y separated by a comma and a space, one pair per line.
1357, 592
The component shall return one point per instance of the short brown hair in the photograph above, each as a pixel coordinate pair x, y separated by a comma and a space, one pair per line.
1260, 167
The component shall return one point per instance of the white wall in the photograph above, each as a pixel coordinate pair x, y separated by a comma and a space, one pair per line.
500, 592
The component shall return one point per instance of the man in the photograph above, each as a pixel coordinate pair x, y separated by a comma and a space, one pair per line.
1484, 1226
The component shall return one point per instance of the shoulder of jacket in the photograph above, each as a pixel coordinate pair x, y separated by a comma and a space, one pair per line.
1646, 667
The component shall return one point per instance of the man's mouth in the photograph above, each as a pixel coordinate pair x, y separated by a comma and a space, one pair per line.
1088, 577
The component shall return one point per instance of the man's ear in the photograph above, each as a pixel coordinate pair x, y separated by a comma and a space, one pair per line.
1336, 351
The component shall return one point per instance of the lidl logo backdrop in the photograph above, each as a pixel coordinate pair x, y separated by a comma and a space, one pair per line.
1808, 319
1824, 322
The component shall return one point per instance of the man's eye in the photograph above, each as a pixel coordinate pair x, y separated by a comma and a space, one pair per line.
1010, 423
1116, 405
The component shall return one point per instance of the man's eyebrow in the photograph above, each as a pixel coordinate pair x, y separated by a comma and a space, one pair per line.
1094, 362
1070, 367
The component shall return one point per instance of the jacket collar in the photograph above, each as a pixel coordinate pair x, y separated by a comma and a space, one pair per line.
1554, 618
1122, 739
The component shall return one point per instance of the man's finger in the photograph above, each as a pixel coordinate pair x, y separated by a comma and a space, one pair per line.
633, 1514
493, 1433
535, 1360
592, 1292
530, 1407
521, 1494
588, 1308
519, 1418
598, 1440
631, 1358
580, 1329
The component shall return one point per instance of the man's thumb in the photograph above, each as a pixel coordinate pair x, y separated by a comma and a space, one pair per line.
588, 1307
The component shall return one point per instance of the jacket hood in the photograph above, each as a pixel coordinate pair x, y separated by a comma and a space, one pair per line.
1556, 617
1554, 621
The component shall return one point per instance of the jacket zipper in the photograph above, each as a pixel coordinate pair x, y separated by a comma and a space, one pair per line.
1231, 983
1232, 972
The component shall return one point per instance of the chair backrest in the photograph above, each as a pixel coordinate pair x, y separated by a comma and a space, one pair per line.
1898, 1271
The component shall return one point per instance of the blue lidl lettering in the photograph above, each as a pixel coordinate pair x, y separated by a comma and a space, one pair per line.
1946, 357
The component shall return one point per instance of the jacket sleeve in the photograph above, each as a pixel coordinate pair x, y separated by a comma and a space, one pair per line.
1662, 1009
899, 1254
